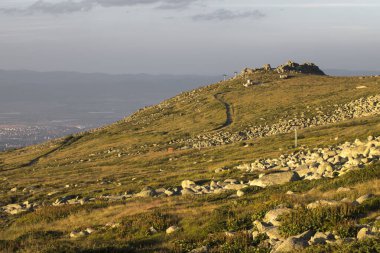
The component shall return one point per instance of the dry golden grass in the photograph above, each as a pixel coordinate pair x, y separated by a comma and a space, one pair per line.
182, 117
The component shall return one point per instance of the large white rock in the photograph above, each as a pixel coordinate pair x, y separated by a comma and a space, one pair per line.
172, 229
295, 243
365, 233
187, 184
275, 179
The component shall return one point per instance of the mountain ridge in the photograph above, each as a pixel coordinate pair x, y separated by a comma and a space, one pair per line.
137, 183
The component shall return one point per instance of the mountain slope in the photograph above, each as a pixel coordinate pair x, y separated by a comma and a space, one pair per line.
220, 126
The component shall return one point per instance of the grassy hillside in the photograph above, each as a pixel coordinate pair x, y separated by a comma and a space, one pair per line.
152, 148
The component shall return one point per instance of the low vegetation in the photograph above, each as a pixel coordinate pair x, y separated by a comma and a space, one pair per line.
78, 194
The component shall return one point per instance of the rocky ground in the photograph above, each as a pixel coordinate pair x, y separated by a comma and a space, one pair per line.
359, 108
304, 164
210, 170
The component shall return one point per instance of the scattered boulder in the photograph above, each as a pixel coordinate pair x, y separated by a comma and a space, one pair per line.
274, 233
365, 233
220, 170
321, 238
295, 243
152, 230
113, 224
262, 227
231, 181
255, 235
146, 192
169, 193
19, 208
274, 215
202, 249
90, 230
343, 189
78, 234
240, 193
235, 186
187, 184
323, 203
363, 198
275, 179
172, 230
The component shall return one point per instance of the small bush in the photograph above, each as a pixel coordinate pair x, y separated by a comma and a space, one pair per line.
227, 218
346, 229
241, 243
365, 246
319, 219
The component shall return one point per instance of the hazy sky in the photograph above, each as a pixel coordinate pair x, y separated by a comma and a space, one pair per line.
187, 36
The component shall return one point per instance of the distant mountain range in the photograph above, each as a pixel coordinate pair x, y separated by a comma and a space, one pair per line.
343, 72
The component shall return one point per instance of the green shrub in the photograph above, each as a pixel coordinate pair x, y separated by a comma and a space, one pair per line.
364, 246
228, 218
241, 243
353, 177
346, 229
318, 219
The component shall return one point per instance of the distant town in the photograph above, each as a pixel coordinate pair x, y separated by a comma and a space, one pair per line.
17, 136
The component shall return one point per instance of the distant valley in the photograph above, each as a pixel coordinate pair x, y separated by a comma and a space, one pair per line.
36, 106
39, 106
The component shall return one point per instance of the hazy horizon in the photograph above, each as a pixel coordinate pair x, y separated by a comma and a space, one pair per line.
187, 37
329, 71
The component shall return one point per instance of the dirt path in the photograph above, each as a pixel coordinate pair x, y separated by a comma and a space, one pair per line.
229, 111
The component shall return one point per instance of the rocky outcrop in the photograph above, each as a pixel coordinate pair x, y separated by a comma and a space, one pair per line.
71, 200
289, 67
306, 68
295, 243
317, 163
19, 208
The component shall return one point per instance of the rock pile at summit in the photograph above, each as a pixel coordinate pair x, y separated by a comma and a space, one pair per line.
289, 68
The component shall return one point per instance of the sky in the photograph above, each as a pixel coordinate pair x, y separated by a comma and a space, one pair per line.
187, 36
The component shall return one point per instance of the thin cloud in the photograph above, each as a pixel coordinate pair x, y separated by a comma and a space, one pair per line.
71, 6
223, 14
171, 5
316, 5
